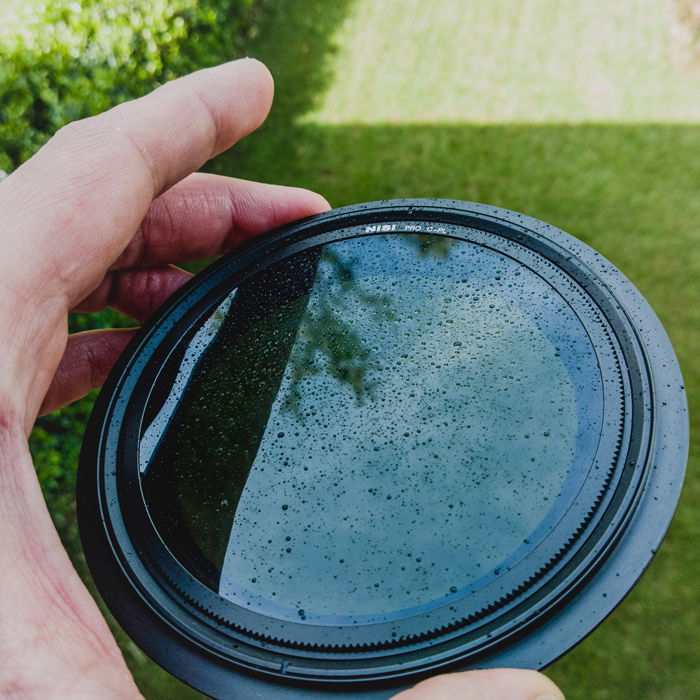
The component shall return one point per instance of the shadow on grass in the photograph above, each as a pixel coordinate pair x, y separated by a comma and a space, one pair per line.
631, 192
296, 41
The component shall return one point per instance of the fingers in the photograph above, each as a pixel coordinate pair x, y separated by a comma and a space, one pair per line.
136, 293
207, 215
86, 362
77, 203
491, 684
89, 356
202, 216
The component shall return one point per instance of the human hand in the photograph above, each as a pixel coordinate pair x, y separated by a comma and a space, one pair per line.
96, 218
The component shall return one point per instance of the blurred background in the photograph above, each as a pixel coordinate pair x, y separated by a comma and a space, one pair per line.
584, 114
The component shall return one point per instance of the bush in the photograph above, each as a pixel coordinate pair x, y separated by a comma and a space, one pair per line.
66, 60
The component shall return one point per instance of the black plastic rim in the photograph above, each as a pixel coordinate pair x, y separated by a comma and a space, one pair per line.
527, 616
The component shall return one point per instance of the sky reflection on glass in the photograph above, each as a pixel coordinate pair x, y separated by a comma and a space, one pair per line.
418, 420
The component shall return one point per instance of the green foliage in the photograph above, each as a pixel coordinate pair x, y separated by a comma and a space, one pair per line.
67, 60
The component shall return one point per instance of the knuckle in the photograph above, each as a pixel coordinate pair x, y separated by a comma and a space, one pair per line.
75, 130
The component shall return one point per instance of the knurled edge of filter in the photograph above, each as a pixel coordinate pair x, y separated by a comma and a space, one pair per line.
405, 640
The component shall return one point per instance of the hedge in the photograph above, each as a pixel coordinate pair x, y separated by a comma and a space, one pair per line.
65, 60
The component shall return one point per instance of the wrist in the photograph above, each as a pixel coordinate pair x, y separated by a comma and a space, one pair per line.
33, 342
54, 640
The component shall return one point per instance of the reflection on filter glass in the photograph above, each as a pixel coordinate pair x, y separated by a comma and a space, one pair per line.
369, 429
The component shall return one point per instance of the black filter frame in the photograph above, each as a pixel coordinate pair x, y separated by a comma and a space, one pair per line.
528, 617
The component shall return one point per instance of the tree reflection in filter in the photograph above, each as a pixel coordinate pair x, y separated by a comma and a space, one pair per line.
371, 428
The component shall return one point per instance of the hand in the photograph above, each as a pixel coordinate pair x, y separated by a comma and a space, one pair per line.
95, 218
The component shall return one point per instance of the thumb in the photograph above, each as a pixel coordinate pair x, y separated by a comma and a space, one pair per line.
490, 684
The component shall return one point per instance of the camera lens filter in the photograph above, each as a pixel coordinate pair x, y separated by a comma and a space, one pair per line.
387, 441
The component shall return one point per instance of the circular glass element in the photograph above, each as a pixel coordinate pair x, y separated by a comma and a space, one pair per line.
384, 440
407, 418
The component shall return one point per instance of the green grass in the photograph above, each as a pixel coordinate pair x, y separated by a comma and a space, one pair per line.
582, 114
507, 61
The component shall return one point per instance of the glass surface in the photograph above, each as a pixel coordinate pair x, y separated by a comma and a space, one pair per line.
370, 429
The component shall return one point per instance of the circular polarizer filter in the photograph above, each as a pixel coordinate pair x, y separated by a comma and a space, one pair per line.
387, 441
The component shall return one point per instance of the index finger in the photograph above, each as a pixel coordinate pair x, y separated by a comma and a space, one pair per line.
78, 202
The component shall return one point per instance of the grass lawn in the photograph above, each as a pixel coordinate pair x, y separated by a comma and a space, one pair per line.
584, 114
8, 9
